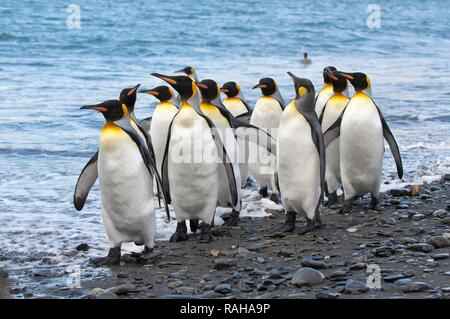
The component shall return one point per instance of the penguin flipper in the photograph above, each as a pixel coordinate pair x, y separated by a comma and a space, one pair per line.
245, 117
277, 96
86, 180
165, 166
333, 132
392, 144
317, 137
146, 150
146, 123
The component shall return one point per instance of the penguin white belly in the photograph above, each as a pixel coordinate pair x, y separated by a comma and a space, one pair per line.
266, 115
322, 98
235, 106
298, 164
361, 147
335, 106
161, 119
126, 189
232, 148
192, 167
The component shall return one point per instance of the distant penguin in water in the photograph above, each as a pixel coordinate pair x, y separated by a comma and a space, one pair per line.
361, 128
125, 170
266, 115
330, 113
301, 158
190, 72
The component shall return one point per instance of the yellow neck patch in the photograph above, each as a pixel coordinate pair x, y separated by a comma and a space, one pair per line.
125, 110
302, 91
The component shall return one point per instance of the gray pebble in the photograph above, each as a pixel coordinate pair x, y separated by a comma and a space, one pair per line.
223, 288
355, 287
307, 277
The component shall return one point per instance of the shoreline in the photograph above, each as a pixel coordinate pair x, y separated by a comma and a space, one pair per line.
407, 238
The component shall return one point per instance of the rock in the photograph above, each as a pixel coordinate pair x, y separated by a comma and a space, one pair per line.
82, 247
125, 289
445, 289
438, 241
408, 240
388, 220
440, 213
392, 278
358, 266
446, 220
415, 287
224, 263
286, 252
441, 256
409, 273
415, 190
175, 284
96, 291
3, 274
446, 177
257, 246
355, 287
399, 192
244, 287
311, 263
307, 277
107, 295
418, 216
402, 206
261, 260
122, 275
42, 273
327, 295
223, 288
423, 247
383, 251
185, 290
215, 252
245, 253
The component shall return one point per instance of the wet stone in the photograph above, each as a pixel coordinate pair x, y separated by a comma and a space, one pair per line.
438, 241
107, 295
383, 251
175, 284
418, 217
422, 247
409, 273
388, 220
327, 295
224, 263
408, 240
441, 256
415, 287
392, 278
307, 277
83, 247
446, 220
355, 287
125, 289
311, 263
399, 192
223, 288
440, 213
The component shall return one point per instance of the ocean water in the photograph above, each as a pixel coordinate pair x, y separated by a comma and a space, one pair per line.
47, 71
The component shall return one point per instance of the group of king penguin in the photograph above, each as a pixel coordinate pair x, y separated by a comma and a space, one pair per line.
194, 153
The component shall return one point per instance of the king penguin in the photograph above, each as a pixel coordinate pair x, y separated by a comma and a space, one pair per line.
235, 101
327, 90
125, 170
190, 72
330, 113
192, 162
266, 115
301, 158
361, 128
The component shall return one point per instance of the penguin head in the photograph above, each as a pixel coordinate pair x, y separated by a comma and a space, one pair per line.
209, 89
326, 77
303, 87
189, 71
112, 110
162, 92
128, 97
231, 89
183, 84
337, 80
359, 80
268, 86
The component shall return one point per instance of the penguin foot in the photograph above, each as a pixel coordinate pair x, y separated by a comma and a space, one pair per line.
289, 224
347, 209
318, 220
112, 259
263, 191
310, 226
233, 220
373, 203
275, 198
180, 233
193, 225
332, 199
205, 233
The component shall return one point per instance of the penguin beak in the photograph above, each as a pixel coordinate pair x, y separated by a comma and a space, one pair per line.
331, 75
166, 78
201, 86
347, 76
261, 86
133, 90
224, 90
99, 108
181, 71
151, 92
292, 75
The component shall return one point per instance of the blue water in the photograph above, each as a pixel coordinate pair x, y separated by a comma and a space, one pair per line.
48, 71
